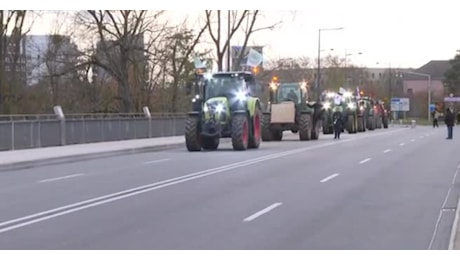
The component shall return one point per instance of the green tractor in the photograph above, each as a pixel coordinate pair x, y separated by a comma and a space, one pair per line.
343, 103
366, 115
289, 110
224, 107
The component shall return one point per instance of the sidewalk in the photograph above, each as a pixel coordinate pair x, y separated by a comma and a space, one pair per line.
19, 159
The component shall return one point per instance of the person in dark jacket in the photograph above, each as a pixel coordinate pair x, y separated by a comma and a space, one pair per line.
338, 124
450, 121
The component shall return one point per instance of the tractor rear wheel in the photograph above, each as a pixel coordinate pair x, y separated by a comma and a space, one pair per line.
351, 125
305, 127
192, 134
371, 123
255, 137
266, 133
240, 132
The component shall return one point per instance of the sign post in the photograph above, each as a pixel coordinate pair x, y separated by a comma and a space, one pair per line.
400, 104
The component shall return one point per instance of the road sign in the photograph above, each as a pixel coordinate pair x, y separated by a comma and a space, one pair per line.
432, 107
400, 104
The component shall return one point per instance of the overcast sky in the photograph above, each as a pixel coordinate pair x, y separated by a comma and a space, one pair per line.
403, 33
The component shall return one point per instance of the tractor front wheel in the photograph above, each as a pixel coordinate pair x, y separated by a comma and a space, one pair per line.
305, 127
192, 134
240, 132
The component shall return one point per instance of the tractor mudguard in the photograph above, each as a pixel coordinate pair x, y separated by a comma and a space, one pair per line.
193, 114
252, 103
239, 112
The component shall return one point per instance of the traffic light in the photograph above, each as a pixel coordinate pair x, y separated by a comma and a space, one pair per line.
255, 70
361, 93
275, 79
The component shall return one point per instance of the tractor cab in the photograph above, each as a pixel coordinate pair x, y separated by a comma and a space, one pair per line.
285, 92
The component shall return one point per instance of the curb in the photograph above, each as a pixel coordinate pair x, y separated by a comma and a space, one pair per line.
83, 157
454, 243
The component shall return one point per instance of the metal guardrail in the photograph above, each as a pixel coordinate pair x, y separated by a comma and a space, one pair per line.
35, 131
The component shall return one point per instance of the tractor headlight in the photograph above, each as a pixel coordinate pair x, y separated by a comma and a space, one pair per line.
327, 105
241, 95
219, 108
351, 105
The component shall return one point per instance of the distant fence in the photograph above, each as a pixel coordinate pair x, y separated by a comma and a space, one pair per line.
34, 131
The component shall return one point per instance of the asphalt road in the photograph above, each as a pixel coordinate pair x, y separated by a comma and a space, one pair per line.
386, 189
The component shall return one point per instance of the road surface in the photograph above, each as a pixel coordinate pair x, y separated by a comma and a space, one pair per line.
386, 189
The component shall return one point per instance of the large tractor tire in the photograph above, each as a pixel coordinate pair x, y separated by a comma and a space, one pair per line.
256, 133
266, 132
192, 134
371, 123
315, 131
351, 125
378, 122
210, 143
361, 126
305, 127
240, 132
327, 129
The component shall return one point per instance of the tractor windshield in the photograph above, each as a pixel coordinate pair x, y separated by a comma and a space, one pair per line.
289, 92
223, 86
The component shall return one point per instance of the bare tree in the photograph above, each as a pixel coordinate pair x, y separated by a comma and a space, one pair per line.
214, 25
121, 37
249, 30
289, 69
12, 58
182, 44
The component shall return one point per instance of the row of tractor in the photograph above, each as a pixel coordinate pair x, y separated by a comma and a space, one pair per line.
227, 105
361, 113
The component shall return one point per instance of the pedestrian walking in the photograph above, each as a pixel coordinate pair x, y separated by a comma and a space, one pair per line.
450, 121
435, 119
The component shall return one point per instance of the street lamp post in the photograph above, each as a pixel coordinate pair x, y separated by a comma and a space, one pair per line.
429, 89
318, 75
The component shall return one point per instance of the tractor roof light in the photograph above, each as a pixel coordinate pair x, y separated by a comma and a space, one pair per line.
330, 94
347, 94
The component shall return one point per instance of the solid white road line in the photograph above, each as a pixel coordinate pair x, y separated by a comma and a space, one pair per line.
264, 211
329, 178
157, 161
365, 161
61, 178
441, 211
387, 151
412, 140
402, 144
